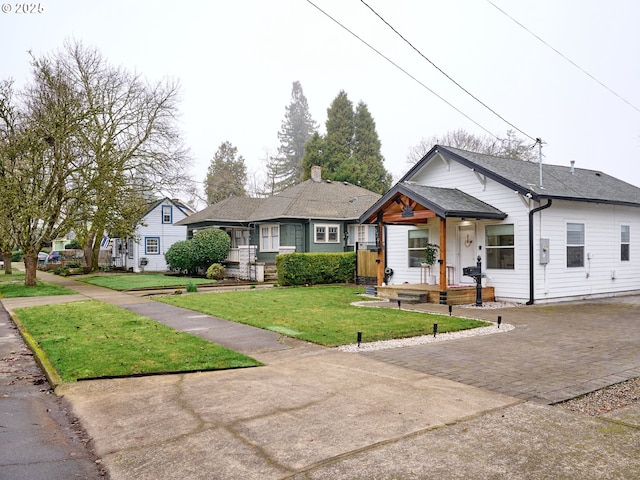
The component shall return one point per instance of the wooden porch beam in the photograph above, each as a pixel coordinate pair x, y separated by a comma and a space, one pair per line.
417, 215
380, 260
443, 254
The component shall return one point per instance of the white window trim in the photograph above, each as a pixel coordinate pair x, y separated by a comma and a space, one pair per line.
628, 242
269, 226
583, 244
416, 249
488, 247
167, 207
326, 227
146, 245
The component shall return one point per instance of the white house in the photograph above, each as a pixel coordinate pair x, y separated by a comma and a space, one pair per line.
543, 232
155, 233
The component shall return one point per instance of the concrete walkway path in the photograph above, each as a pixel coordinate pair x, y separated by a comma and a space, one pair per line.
317, 413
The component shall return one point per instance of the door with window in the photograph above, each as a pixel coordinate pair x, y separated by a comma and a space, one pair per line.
467, 252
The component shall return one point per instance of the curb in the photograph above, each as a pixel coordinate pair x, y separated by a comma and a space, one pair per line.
40, 356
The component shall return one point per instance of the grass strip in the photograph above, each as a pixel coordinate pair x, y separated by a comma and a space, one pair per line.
319, 314
12, 286
92, 339
122, 282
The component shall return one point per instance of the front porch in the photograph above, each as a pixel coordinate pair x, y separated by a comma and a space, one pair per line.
452, 295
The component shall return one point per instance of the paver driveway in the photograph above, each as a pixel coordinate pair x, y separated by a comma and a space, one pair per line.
556, 352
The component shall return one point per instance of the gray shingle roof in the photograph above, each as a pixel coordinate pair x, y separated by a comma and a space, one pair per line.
308, 200
557, 181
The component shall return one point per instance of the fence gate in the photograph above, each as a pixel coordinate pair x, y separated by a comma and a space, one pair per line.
366, 266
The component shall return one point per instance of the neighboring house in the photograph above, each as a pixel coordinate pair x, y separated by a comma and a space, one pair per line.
155, 233
542, 232
313, 216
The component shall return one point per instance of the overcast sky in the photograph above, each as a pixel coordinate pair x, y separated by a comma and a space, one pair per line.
236, 61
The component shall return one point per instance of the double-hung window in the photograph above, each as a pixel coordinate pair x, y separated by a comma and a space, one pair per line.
575, 245
166, 213
152, 245
327, 234
500, 246
418, 240
270, 238
625, 241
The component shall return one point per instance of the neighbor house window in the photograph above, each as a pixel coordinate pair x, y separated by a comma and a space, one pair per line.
499, 246
327, 234
418, 240
361, 234
270, 238
152, 245
575, 245
166, 214
625, 239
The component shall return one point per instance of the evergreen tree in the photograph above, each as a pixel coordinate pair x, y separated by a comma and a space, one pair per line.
297, 129
227, 174
350, 151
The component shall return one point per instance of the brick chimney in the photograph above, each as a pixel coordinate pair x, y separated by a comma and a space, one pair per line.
316, 174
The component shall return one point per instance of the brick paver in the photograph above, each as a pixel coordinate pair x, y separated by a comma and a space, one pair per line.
556, 352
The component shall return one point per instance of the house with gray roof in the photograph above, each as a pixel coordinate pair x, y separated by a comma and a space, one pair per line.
541, 232
314, 216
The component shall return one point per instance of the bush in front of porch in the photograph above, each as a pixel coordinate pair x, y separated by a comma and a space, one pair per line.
315, 268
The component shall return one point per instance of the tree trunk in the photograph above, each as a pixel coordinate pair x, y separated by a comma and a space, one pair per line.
95, 256
87, 259
6, 258
30, 267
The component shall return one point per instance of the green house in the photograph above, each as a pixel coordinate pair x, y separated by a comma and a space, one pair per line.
314, 216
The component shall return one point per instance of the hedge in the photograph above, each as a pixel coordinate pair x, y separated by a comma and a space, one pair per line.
315, 268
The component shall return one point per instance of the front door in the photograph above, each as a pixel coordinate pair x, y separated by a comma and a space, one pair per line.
467, 251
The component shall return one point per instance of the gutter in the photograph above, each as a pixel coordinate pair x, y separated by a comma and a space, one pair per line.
531, 213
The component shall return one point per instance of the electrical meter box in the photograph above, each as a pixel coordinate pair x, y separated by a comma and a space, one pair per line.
544, 251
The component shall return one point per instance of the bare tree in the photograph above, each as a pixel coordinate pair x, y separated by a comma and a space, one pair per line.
509, 147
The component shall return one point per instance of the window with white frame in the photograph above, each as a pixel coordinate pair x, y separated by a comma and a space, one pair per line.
625, 241
361, 234
417, 243
499, 246
152, 245
575, 245
327, 234
269, 238
166, 214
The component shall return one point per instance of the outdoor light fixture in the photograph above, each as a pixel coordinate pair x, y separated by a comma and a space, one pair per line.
450, 309
359, 338
435, 329
499, 320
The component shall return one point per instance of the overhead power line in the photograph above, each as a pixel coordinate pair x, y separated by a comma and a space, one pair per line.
445, 74
406, 72
564, 56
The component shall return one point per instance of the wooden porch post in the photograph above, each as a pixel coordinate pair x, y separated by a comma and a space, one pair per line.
380, 260
443, 257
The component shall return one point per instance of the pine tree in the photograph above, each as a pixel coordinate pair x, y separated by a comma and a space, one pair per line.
297, 129
227, 174
338, 141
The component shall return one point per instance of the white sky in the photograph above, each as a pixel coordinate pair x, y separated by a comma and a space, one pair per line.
236, 61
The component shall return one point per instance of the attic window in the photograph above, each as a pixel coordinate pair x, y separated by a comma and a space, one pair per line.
166, 214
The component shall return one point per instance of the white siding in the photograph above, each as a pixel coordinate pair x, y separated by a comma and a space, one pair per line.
167, 233
603, 274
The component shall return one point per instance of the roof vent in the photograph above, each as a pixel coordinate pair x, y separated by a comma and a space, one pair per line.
573, 166
345, 183
328, 181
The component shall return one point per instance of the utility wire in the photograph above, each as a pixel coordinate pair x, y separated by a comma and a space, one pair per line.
407, 73
564, 56
445, 74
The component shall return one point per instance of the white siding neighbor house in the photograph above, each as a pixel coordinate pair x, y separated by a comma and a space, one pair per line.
543, 233
155, 233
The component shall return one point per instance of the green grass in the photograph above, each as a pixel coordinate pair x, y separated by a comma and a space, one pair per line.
91, 339
133, 281
321, 314
12, 286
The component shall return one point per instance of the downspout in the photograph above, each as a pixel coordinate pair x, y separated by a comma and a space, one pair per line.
531, 213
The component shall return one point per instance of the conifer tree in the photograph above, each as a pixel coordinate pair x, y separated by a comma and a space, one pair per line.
297, 129
227, 174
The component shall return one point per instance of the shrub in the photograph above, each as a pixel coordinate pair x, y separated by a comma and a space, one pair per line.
192, 288
315, 268
215, 272
181, 257
73, 245
210, 246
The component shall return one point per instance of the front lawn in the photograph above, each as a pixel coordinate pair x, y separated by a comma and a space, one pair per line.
12, 286
135, 281
91, 339
320, 314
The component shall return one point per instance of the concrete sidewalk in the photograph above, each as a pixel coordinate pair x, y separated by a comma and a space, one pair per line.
316, 413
